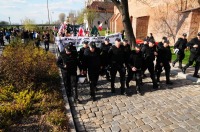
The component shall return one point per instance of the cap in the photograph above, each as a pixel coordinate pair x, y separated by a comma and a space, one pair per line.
138, 46
118, 39
85, 42
125, 40
166, 41
68, 48
184, 34
164, 38
152, 41
92, 44
71, 43
198, 34
107, 39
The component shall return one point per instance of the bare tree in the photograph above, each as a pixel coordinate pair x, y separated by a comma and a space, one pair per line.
91, 14
122, 6
62, 17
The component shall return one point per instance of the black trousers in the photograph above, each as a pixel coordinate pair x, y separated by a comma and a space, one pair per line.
70, 82
138, 77
196, 69
150, 66
46, 45
93, 77
167, 68
121, 69
179, 58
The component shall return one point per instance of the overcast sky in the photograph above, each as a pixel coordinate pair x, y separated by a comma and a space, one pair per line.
36, 10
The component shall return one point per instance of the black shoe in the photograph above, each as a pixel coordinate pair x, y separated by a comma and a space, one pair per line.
180, 67
169, 82
127, 85
197, 76
144, 76
113, 90
108, 79
183, 70
94, 98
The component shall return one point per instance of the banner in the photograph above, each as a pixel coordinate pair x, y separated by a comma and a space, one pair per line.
63, 41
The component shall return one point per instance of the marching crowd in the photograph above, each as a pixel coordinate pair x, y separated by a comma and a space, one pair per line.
109, 59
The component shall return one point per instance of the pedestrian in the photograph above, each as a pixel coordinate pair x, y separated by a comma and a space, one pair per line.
151, 37
144, 46
1, 38
163, 60
135, 63
46, 38
179, 49
105, 47
91, 62
7, 35
127, 50
117, 61
149, 53
68, 64
194, 45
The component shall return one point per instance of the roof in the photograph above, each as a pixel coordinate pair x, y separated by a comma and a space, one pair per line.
100, 6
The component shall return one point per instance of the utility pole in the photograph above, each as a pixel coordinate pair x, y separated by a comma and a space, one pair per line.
9, 20
48, 11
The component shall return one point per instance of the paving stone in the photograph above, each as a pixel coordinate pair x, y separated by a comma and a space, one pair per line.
107, 130
106, 125
123, 127
146, 128
139, 122
180, 130
116, 129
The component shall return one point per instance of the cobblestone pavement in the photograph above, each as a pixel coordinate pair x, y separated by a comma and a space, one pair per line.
172, 108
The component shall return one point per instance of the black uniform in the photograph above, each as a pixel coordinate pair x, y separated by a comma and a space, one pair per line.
194, 56
181, 45
127, 50
68, 65
135, 60
1, 38
80, 57
163, 60
149, 57
105, 59
46, 38
91, 61
117, 61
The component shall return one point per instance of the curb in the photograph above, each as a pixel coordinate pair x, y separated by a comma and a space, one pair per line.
67, 107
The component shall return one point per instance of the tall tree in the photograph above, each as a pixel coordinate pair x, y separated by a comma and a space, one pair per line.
91, 14
122, 6
62, 17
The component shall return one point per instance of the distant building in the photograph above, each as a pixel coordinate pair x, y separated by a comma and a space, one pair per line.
105, 10
161, 17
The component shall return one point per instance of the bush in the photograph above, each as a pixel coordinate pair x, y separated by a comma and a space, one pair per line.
27, 66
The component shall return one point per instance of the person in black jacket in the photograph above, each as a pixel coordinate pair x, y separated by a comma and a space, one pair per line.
67, 61
163, 60
81, 55
149, 53
135, 68
144, 46
46, 38
91, 62
194, 45
105, 58
180, 46
117, 61
127, 50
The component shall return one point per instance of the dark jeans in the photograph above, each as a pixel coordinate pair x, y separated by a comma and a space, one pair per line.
167, 68
196, 66
150, 67
138, 77
93, 77
46, 45
179, 58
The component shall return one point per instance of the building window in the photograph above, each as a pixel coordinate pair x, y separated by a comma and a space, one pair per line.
99, 22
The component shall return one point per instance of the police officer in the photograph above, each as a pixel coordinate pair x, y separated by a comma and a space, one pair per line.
180, 45
144, 46
117, 61
91, 62
163, 60
135, 65
67, 61
81, 54
194, 45
149, 53
46, 38
127, 50
105, 58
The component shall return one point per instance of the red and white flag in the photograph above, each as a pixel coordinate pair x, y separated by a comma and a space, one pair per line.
81, 32
100, 26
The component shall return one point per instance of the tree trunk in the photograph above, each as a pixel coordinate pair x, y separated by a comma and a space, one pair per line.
123, 9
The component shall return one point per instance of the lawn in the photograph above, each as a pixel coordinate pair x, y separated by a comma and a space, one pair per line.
185, 60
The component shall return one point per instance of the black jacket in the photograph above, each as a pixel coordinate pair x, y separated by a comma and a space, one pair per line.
194, 52
164, 55
181, 44
135, 60
148, 53
104, 53
67, 62
117, 55
127, 50
91, 60
81, 54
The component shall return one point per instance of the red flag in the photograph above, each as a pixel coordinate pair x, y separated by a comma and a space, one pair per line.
100, 26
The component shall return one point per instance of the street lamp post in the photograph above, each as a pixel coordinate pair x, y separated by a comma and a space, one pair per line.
9, 20
48, 10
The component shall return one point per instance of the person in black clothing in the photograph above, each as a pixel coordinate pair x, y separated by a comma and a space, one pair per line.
1, 38
105, 58
91, 62
149, 53
135, 68
163, 60
151, 37
67, 61
80, 56
180, 47
46, 38
194, 45
144, 46
117, 61
127, 50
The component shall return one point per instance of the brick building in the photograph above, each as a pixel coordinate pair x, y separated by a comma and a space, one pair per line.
168, 18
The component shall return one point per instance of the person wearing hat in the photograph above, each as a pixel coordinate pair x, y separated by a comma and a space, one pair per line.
117, 61
67, 61
91, 63
179, 48
149, 54
127, 50
81, 54
163, 60
194, 45
105, 58
144, 46
135, 63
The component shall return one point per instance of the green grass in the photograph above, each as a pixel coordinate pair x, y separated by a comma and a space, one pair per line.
185, 60
102, 32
